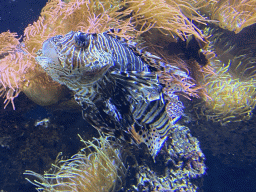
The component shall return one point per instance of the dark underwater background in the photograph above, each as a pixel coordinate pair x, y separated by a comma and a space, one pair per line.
229, 150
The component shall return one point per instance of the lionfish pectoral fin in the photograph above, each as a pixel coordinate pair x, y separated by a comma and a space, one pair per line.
150, 137
140, 85
111, 110
92, 115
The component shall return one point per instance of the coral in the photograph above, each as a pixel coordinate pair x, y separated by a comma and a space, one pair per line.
150, 181
184, 161
97, 167
184, 152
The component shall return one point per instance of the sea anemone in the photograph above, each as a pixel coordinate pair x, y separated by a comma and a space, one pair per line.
232, 88
233, 15
18, 68
13, 66
98, 167
19, 72
167, 16
231, 98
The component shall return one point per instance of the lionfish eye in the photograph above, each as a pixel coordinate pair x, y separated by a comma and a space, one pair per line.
82, 40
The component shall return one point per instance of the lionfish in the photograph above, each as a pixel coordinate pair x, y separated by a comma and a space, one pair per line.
114, 83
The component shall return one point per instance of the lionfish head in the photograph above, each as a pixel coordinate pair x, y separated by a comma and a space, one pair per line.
74, 59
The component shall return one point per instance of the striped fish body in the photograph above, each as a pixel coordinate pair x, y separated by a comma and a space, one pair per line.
112, 82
